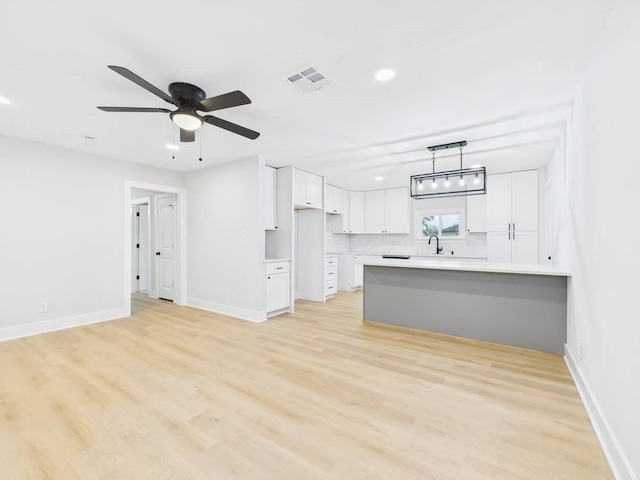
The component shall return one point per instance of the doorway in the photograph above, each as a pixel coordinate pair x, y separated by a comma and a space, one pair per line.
155, 242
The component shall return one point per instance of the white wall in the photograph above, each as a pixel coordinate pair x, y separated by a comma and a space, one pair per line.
597, 214
62, 235
226, 242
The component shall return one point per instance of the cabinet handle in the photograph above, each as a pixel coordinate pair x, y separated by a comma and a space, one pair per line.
279, 268
509, 234
308, 203
268, 278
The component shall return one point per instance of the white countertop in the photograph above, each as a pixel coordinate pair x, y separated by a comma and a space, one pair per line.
272, 260
442, 256
469, 266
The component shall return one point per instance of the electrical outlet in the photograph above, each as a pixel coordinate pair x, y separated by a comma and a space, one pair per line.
43, 307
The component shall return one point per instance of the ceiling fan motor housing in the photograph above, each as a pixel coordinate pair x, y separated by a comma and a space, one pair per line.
186, 94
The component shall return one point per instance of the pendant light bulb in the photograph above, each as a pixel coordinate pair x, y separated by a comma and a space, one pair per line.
476, 180
461, 181
420, 185
447, 182
434, 184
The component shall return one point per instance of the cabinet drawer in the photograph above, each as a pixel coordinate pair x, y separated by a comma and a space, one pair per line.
330, 261
330, 288
276, 267
331, 273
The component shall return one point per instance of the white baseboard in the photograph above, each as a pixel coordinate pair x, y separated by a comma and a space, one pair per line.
231, 311
46, 326
618, 461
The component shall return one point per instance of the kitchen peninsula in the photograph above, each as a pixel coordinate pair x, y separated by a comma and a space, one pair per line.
518, 305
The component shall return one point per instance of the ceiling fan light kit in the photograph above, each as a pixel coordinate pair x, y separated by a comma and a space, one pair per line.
186, 121
468, 181
189, 99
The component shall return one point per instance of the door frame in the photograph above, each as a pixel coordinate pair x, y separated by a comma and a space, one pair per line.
144, 201
181, 240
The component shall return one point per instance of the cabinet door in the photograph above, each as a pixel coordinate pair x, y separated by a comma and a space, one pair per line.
333, 200
299, 187
277, 291
524, 248
499, 247
356, 212
397, 210
358, 275
340, 223
524, 201
269, 201
477, 213
374, 211
499, 202
314, 192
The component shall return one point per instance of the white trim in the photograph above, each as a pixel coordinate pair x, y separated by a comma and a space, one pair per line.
424, 212
618, 461
46, 326
181, 240
241, 313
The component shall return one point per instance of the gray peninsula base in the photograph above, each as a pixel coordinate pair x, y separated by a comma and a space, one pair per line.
520, 310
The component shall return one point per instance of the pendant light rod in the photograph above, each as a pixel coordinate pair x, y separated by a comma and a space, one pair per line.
444, 146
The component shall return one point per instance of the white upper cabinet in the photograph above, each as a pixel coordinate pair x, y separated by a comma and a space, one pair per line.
269, 199
340, 222
307, 189
374, 211
356, 212
499, 202
477, 213
387, 211
524, 201
397, 210
333, 203
512, 217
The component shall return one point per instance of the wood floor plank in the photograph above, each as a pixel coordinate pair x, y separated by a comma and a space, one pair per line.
179, 393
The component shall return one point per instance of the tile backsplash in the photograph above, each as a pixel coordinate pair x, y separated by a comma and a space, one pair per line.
473, 244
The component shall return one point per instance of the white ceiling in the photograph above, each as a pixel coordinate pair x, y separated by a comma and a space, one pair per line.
497, 73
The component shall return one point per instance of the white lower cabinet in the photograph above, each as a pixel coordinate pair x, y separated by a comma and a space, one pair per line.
350, 272
278, 286
330, 276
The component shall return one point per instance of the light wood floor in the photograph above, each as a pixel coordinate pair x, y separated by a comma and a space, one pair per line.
177, 393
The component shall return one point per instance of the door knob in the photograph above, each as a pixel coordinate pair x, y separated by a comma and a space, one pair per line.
158, 253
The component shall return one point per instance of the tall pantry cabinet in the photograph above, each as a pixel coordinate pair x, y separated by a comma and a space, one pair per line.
512, 217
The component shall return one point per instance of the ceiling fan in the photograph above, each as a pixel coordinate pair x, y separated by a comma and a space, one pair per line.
189, 99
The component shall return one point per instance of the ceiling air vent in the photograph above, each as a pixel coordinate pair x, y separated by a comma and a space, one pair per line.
307, 79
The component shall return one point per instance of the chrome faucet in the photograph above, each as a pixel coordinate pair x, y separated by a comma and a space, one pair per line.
438, 247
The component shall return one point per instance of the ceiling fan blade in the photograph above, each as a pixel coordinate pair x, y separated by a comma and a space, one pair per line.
134, 109
187, 135
232, 127
128, 74
227, 100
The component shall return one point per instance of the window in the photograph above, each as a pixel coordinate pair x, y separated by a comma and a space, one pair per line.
445, 224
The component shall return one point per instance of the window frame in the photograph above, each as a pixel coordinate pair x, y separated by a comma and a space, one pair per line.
440, 212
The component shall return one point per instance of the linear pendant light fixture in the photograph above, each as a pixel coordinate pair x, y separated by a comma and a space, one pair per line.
452, 183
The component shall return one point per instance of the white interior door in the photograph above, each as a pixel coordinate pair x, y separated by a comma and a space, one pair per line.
165, 245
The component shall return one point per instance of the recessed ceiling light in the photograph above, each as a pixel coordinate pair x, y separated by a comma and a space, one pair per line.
5, 101
385, 74
377, 179
171, 146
